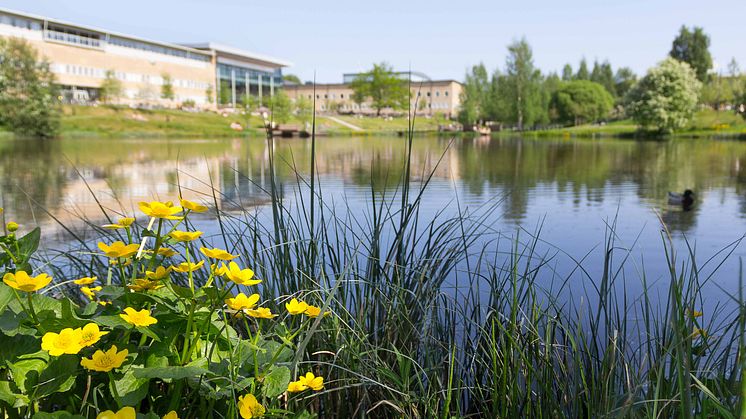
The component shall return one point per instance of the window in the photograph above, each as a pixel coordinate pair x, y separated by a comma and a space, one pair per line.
72, 36
20, 22
428, 94
446, 93
341, 95
437, 93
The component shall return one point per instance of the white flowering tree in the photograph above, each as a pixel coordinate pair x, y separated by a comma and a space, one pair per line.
666, 98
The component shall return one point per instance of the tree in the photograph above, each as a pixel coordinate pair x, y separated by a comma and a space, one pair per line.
567, 72
583, 73
167, 88
292, 78
281, 107
474, 96
581, 101
209, 93
111, 88
604, 75
28, 95
383, 87
304, 110
692, 47
666, 98
624, 79
522, 85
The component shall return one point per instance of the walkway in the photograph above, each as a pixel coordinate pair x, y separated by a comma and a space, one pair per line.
345, 123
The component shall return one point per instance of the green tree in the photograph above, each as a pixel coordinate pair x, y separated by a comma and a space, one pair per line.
581, 101
292, 78
281, 107
111, 88
583, 73
567, 72
666, 98
523, 86
474, 96
28, 94
383, 87
304, 110
167, 88
692, 47
624, 79
209, 93
604, 75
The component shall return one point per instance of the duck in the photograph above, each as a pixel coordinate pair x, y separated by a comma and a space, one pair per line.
685, 199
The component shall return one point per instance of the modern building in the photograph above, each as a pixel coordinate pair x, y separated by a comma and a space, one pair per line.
204, 73
427, 96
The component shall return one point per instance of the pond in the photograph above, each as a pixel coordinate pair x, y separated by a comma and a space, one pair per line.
569, 189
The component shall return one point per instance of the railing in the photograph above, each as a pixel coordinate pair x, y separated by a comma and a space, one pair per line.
73, 39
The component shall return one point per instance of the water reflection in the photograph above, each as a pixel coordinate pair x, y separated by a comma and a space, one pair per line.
563, 177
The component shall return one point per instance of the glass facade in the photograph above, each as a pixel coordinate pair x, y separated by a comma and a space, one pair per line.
233, 81
144, 46
19, 22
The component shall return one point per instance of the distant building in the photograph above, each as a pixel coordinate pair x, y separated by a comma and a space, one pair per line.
428, 96
80, 56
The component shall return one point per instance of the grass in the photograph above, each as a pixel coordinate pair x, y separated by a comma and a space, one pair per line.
440, 317
706, 123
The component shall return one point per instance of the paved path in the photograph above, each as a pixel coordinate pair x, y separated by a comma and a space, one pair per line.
345, 123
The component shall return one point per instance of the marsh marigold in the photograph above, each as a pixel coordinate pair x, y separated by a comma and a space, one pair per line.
22, 281
295, 307
193, 206
240, 276
249, 407
242, 302
90, 334
216, 253
164, 210
184, 236
123, 413
105, 361
118, 249
65, 342
140, 318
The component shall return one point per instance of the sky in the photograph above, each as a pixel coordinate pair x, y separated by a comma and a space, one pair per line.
327, 38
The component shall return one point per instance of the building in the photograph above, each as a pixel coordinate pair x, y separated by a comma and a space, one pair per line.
204, 73
427, 96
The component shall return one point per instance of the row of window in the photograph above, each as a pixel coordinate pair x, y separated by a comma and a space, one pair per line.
364, 106
95, 40
349, 96
100, 73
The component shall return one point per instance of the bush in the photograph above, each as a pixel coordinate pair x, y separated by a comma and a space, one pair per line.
147, 338
666, 98
581, 101
28, 95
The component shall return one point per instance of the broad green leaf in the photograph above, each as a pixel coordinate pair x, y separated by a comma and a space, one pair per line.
29, 243
10, 397
276, 382
57, 415
191, 370
6, 296
58, 376
131, 389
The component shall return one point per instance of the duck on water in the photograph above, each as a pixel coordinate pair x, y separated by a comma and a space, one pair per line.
686, 200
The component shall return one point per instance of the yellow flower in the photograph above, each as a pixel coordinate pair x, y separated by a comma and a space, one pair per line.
193, 206
141, 284
90, 334
160, 273
140, 318
157, 209
311, 381
249, 407
171, 415
90, 292
261, 313
122, 223
219, 271
65, 342
124, 413
88, 280
695, 313
118, 249
296, 307
12, 226
188, 266
166, 252
23, 282
185, 236
104, 303
216, 253
242, 302
105, 361
241, 276
295, 387
313, 311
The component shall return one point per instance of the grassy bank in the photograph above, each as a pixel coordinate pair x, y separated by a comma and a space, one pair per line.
706, 123
429, 318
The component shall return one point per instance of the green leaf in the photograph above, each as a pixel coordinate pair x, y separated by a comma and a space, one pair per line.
10, 397
6, 296
16, 346
29, 243
191, 370
58, 376
131, 389
26, 372
276, 382
57, 415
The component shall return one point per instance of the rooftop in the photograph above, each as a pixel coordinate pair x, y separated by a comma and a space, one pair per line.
229, 50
